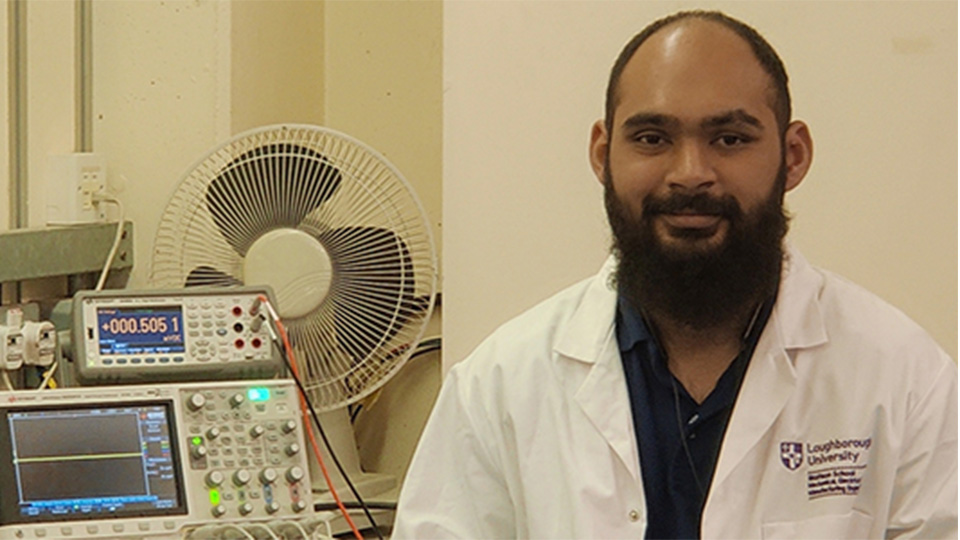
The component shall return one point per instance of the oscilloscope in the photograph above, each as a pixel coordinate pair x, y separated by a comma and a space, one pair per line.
171, 335
150, 461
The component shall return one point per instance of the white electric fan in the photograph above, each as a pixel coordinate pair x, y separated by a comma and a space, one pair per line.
341, 238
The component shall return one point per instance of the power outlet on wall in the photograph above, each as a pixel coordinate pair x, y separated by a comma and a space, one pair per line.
72, 181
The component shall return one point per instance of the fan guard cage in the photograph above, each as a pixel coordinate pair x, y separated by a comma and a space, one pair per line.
375, 295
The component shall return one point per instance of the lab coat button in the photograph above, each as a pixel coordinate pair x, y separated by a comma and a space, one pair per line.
634, 515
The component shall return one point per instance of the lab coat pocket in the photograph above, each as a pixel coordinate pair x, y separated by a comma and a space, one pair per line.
853, 525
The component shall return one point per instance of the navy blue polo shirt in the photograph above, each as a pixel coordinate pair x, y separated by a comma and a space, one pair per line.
664, 414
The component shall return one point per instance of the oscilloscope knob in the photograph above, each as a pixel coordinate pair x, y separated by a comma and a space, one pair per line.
246, 508
273, 507
268, 476
288, 426
256, 431
218, 510
214, 479
294, 474
236, 400
213, 432
199, 452
196, 402
292, 449
241, 477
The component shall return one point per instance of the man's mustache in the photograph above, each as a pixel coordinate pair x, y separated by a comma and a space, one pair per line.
695, 203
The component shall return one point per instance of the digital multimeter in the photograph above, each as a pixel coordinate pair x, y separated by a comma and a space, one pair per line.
172, 335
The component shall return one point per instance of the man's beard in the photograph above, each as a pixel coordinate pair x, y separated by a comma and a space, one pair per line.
700, 287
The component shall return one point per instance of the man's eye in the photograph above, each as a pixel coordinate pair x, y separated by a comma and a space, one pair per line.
731, 141
650, 139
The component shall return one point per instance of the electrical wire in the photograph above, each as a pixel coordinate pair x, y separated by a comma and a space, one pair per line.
116, 240
326, 507
232, 527
287, 354
301, 529
428, 345
273, 535
48, 376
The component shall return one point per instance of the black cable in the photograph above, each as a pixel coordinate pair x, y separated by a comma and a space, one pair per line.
427, 346
324, 507
326, 442
683, 438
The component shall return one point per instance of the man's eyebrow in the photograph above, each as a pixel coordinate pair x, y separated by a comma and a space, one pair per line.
643, 119
735, 116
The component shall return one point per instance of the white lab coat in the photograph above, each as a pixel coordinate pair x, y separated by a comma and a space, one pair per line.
532, 435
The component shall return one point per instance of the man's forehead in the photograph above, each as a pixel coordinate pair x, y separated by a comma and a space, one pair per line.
698, 66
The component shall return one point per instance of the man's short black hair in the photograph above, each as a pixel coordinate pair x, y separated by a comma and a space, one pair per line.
763, 51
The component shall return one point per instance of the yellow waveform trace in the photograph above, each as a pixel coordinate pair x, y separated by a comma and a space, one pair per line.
83, 457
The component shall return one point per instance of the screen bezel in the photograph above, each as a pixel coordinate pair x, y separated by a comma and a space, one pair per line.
10, 512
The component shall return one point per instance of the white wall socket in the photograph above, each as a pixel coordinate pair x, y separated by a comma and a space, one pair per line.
72, 180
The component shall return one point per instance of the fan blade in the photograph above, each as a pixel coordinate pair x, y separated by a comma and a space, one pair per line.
208, 276
271, 186
374, 282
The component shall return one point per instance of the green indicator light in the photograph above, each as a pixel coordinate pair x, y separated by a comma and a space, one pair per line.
258, 394
214, 497
197, 441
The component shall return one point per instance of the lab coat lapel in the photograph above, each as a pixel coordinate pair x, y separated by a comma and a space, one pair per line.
588, 338
603, 398
770, 379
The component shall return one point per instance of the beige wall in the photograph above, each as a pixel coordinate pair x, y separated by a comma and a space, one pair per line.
384, 86
876, 81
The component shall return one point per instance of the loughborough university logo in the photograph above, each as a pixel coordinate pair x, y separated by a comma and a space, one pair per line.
791, 454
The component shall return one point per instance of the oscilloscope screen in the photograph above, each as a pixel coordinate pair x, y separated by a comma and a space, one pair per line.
92, 462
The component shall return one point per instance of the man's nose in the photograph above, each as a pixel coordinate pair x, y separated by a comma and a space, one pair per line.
692, 168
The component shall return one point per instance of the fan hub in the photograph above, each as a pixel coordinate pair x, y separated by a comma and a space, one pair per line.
297, 267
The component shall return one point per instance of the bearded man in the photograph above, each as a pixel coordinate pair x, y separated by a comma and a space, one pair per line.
708, 383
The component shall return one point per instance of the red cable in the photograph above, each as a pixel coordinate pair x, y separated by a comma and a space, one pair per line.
313, 441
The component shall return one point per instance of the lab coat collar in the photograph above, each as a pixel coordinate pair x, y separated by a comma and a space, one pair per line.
799, 319
590, 328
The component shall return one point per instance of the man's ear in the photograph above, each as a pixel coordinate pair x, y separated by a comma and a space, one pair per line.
599, 144
798, 153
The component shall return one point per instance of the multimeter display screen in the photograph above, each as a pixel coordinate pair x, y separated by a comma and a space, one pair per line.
140, 330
